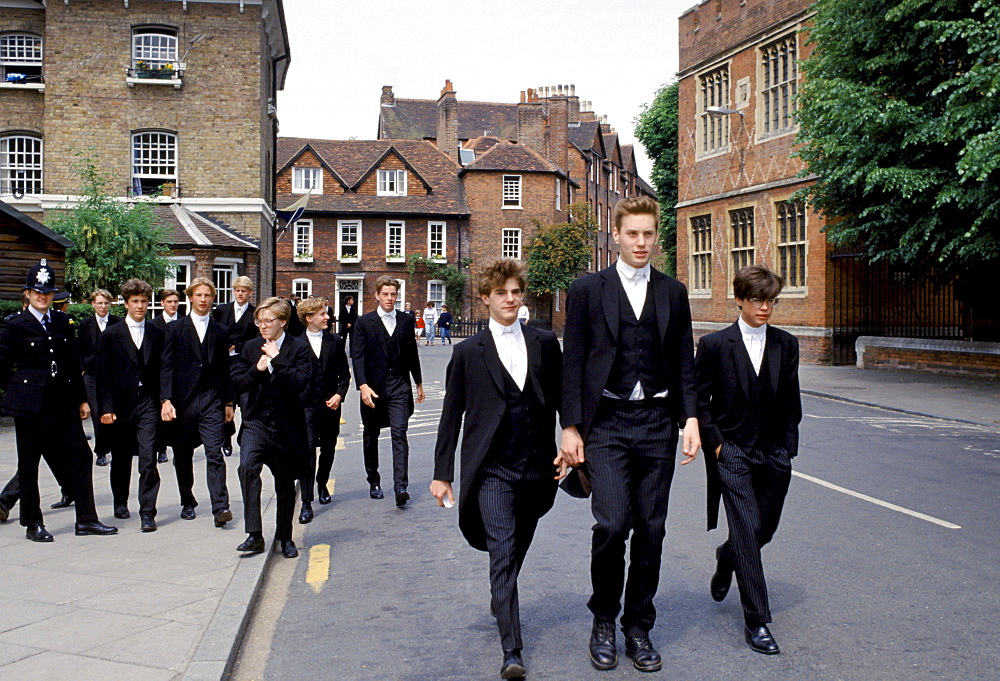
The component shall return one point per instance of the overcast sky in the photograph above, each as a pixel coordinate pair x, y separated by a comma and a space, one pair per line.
616, 52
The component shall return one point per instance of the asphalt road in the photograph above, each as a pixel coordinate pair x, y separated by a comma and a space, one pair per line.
884, 567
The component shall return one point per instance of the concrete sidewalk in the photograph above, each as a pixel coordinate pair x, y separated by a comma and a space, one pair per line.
956, 398
159, 606
172, 605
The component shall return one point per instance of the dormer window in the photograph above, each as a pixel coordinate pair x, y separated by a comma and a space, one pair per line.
20, 58
305, 179
391, 183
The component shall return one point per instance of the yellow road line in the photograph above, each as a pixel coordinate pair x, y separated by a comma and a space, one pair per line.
318, 571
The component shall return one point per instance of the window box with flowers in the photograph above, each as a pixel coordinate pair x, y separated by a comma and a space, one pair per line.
303, 256
150, 73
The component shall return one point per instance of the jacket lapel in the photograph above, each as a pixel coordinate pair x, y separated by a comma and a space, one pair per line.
192, 335
491, 358
126, 340
661, 301
325, 348
534, 348
772, 348
741, 360
609, 296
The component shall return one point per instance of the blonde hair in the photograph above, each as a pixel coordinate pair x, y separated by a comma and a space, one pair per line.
310, 306
199, 281
243, 282
278, 307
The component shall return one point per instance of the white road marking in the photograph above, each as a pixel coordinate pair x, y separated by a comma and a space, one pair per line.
878, 502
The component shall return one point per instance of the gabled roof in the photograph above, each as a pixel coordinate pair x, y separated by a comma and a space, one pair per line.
587, 136
628, 158
612, 149
514, 158
645, 187
416, 119
353, 160
32, 224
306, 146
187, 228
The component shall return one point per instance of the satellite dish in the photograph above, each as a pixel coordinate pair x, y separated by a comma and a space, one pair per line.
18, 193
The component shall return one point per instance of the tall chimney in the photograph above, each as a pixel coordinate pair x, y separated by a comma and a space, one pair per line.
531, 122
574, 105
447, 125
559, 131
388, 98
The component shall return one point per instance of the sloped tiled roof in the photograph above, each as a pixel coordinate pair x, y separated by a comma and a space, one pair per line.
187, 228
645, 187
585, 136
353, 160
512, 157
416, 119
627, 152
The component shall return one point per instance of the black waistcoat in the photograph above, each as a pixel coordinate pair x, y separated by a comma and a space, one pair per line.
392, 348
148, 372
755, 431
515, 443
639, 354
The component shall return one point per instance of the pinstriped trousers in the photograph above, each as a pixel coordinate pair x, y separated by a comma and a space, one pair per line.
261, 444
630, 454
754, 486
509, 520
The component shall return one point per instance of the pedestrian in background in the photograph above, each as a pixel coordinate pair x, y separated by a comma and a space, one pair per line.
237, 316
444, 324
749, 409
430, 318
170, 300
91, 329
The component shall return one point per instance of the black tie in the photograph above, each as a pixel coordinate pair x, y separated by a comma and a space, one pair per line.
45, 323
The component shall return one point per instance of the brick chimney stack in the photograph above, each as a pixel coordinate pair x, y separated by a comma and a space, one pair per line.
531, 122
574, 105
559, 131
388, 97
447, 125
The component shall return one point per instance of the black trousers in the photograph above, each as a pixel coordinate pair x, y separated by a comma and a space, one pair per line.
754, 485
57, 436
262, 444
507, 506
323, 426
201, 421
630, 454
135, 436
12, 490
102, 433
398, 398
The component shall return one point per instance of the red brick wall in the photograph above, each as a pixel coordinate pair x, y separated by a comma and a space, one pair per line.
958, 363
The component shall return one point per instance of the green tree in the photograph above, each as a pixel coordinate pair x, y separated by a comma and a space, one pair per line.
900, 121
560, 251
454, 281
115, 240
656, 128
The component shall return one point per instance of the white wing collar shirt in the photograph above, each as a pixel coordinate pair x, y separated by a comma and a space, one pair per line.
316, 341
136, 329
754, 340
102, 322
512, 350
238, 309
200, 325
388, 319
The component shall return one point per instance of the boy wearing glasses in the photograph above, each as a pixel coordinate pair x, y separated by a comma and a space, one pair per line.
749, 411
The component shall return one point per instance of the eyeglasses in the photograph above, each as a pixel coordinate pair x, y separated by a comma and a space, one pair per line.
262, 322
759, 302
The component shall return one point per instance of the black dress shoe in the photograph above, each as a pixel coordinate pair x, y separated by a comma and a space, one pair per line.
288, 549
102, 460
187, 513
760, 640
306, 515
222, 517
161, 457
227, 451
643, 654
376, 492
4, 512
64, 502
402, 496
253, 544
95, 527
513, 666
723, 576
37, 532
121, 512
146, 522
324, 494
603, 649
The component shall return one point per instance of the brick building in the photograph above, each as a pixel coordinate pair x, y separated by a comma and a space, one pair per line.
372, 204
738, 77
171, 97
559, 150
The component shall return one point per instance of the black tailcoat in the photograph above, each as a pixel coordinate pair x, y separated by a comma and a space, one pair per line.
722, 367
475, 388
184, 364
118, 368
86, 341
370, 358
239, 331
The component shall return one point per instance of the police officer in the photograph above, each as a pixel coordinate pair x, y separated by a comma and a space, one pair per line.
48, 401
